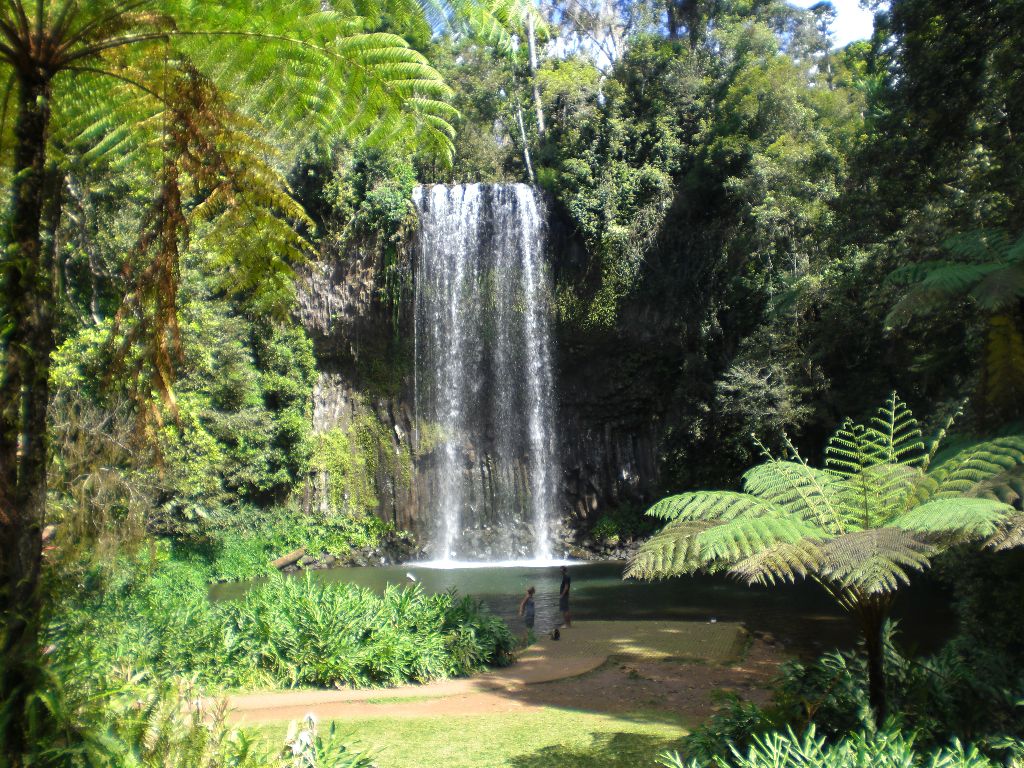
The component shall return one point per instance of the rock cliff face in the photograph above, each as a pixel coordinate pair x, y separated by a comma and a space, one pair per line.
607, 388
361, 346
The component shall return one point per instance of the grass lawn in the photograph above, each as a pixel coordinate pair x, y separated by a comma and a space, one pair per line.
552, 738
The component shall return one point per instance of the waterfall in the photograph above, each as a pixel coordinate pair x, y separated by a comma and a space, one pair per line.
484, 389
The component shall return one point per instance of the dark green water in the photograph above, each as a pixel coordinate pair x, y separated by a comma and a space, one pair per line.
801, 615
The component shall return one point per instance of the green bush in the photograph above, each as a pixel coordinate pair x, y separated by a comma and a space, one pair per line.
622, 524
140, 720
284, 632
974, 697
244, 545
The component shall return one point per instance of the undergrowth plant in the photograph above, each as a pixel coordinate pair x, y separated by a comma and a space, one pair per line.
285, 632
878, 750
881, 509
128, 719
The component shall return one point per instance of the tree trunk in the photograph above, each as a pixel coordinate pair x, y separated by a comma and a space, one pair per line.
28, 296
872, 618
526, 143
532, 41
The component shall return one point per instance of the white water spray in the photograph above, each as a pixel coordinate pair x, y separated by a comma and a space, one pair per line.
485, 401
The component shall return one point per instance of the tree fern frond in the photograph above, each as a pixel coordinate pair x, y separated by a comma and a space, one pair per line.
725, 544
895, 435
964, 519
1001, 289
875, 561
1007, 487
713, 505
965, 473
672, 552
878, 493
784, 562
981, 245
849, 450
1009, 535
797, 488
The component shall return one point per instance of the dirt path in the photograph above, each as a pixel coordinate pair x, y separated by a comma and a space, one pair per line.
597, 665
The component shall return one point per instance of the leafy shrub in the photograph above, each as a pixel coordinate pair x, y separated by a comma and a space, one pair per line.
244, 549
974, 697
888, 749
621, 524
735, 724
138, 719
285, 632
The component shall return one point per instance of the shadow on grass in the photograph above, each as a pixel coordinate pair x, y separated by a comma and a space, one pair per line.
606, 750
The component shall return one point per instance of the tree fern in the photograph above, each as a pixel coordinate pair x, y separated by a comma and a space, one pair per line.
878, 512
977, 469
988, 271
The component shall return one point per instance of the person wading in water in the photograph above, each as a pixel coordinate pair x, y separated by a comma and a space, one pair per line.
563, 597
526, 609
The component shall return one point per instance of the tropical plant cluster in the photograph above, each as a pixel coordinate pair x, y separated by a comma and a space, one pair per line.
131, 719
285, 632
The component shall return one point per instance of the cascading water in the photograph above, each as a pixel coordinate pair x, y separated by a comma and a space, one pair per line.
484, 386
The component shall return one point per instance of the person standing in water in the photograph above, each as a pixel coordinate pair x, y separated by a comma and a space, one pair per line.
563, 597
527, 609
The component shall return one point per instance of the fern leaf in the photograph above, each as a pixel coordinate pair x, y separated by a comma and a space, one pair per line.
963, 519
895, 436
713, 505
784, 562
799, 489
878, 493
671, 552
745, 537
973, 469
1009, 535
875, 561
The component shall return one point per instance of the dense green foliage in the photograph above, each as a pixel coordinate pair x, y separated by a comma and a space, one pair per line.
885, 750
131, 719
284, 632
743, 192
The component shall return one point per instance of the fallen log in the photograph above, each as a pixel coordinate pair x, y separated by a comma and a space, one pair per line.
290, 559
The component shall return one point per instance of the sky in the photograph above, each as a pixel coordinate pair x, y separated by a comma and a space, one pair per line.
852, 21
